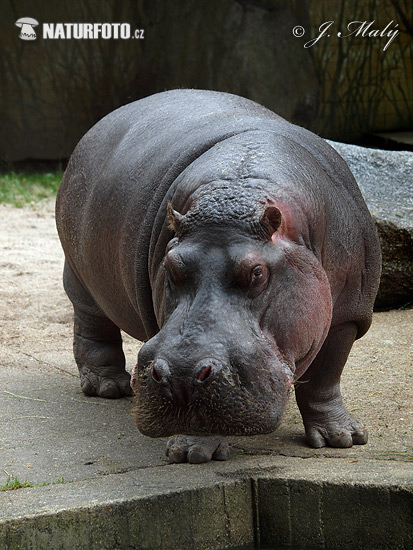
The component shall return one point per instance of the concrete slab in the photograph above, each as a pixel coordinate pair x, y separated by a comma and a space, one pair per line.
112, 487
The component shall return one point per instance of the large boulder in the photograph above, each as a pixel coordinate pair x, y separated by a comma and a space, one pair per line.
386, 181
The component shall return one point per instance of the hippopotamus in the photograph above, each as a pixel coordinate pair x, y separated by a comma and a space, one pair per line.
235, 245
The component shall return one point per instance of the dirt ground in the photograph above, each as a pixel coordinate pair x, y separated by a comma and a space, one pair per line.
35, 328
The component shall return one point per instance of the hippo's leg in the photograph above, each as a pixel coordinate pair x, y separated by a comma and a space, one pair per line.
326, 420
187, 448
97, 344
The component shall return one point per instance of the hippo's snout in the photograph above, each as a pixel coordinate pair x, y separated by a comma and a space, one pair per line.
208, 396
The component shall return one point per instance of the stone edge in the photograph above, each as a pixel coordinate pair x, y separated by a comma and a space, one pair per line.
273, 501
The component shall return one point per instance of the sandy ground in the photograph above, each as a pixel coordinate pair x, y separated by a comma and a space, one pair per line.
36, 335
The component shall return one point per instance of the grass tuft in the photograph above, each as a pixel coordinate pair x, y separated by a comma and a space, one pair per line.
21, 188
13, 483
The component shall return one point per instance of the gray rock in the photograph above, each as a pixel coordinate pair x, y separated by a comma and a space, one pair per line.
386, 181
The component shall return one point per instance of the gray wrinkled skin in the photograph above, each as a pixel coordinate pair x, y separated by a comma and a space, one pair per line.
238, 247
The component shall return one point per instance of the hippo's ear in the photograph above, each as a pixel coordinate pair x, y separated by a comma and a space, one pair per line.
174, 218
270, 220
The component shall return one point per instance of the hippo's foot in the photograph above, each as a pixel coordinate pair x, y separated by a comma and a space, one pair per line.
331, 424
186, 448
106, 382
326, 420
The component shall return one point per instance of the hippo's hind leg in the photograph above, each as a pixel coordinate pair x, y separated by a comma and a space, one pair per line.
97, 344
326, 420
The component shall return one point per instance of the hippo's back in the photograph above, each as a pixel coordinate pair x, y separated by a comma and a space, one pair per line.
142, 147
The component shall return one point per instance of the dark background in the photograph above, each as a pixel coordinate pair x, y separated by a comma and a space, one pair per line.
52, 91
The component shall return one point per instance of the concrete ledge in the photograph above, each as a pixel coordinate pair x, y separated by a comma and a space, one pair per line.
130, 511
302, 513
275, 501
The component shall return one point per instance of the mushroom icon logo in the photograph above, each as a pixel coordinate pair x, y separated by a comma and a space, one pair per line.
27, 31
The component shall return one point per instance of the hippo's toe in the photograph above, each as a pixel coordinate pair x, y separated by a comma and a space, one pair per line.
346, 432
195, 450
111, 385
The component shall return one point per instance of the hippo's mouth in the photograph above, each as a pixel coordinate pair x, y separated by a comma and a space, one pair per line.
169, 421
221, 410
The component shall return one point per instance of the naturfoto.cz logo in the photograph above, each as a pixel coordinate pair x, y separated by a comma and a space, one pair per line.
27, 25
78, 31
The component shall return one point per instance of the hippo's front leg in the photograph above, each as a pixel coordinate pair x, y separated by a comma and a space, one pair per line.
326, 420
97, 345
195, 450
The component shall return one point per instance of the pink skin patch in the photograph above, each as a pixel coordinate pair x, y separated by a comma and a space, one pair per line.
290, 224
133, 377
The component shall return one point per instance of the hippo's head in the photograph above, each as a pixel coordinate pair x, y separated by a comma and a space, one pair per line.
230, 341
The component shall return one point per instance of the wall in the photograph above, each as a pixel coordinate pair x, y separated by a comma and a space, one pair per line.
52, 91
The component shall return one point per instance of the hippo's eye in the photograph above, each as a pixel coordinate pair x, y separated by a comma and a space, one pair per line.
175, 268
257, 273
252, 275
258, 280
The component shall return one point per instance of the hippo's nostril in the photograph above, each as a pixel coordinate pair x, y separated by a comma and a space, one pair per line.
160, 371
155, 375
205, 372
208, 369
